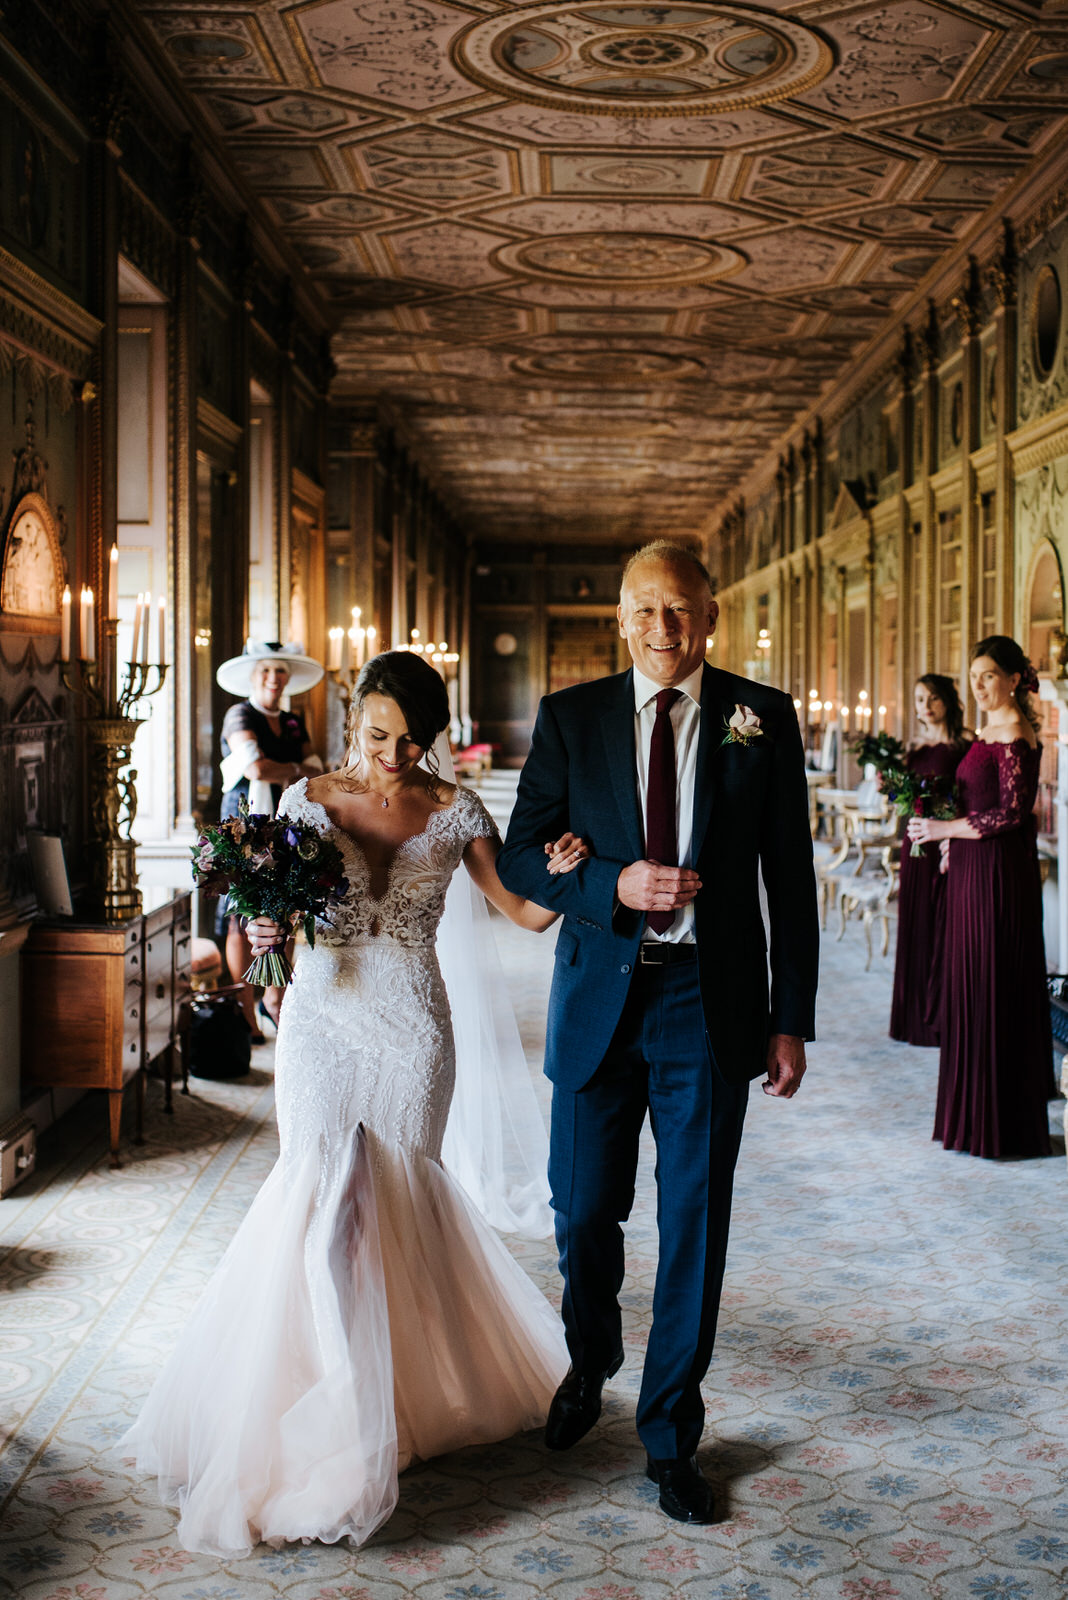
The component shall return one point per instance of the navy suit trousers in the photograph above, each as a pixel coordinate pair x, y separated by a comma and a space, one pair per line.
658, 1061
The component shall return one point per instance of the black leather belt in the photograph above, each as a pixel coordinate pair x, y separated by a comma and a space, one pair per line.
657, 954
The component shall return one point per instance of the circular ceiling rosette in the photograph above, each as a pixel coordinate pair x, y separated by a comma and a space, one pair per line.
635, 59
618, 259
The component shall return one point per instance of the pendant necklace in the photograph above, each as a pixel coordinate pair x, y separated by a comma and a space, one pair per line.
385, 803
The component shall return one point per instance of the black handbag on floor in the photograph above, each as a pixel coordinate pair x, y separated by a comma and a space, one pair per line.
220, 1040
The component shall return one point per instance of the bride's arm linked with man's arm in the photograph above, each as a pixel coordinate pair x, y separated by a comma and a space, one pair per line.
560, 856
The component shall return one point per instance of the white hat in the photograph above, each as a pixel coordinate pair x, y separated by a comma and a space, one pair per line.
235, 675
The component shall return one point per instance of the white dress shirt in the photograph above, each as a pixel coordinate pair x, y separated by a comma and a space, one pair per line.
685, 717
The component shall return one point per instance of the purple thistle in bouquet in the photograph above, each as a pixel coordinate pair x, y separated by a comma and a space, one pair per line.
270, 867
910, 794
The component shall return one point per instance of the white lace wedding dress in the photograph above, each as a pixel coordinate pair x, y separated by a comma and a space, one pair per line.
364, 1315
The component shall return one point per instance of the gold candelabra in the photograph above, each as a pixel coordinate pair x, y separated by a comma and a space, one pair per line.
362, 643
111, 692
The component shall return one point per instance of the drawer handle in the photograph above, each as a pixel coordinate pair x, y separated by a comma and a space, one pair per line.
161, 990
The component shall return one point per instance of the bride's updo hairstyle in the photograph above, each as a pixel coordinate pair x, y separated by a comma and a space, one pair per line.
420, 693
1010, 658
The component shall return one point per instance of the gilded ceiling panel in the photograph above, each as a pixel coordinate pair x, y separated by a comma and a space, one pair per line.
602, 254
620, 216
394, 51
546, 127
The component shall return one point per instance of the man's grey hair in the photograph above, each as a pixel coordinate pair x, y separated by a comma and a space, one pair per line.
672, 554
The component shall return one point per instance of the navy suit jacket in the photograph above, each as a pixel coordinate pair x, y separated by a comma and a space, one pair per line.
750, 817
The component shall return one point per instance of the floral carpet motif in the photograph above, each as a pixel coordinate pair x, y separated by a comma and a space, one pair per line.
887, 1408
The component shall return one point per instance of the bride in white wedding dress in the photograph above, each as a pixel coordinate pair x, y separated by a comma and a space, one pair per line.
364, 1315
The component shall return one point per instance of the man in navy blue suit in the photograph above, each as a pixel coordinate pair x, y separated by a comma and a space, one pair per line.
687, 784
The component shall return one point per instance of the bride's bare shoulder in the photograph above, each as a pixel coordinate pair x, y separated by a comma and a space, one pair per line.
325, 785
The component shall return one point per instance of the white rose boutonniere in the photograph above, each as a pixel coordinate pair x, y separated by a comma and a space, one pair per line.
743, 727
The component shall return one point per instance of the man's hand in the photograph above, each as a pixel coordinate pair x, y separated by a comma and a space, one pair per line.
647, 886
785, 1066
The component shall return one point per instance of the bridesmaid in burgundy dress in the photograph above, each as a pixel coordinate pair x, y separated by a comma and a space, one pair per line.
995, 1074
922, 896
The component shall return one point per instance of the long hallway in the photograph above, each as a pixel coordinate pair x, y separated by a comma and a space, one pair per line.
886, 1411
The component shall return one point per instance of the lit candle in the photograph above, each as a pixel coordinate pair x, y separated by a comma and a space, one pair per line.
138, 612
162, 611
354, 660
372, 635
361, 635
88, 625
113, 585
144, 627
64, 626
356, 615
333, 654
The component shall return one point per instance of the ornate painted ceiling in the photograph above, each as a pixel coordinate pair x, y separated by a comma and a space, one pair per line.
600, 256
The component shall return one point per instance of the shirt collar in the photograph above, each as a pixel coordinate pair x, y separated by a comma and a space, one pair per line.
645, 689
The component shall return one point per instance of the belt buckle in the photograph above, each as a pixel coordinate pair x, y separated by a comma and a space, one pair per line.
649, 960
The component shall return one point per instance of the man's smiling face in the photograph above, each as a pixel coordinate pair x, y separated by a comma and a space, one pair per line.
666, 613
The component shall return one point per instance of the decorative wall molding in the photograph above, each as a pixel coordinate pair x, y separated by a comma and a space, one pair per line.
38, 319
1039, 443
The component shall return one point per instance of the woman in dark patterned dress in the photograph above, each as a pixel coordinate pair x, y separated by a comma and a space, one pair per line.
264, 750
995, 1073
922, 901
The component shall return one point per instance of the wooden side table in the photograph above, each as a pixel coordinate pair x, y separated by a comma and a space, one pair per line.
102, 1003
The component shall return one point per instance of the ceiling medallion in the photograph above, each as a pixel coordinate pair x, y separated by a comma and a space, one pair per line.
636, 59
601, 365
621, 258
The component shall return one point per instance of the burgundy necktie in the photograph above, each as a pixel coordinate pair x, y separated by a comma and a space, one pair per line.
661, 832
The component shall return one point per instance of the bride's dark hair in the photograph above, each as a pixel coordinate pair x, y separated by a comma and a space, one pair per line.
420, 693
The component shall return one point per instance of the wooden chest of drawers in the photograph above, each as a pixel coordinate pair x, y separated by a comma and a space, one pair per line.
101, 1004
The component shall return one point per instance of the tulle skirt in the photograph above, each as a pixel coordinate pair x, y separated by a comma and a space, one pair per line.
347, 1331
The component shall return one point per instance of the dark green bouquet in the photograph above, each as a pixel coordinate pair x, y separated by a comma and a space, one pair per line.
270, 867
910, 793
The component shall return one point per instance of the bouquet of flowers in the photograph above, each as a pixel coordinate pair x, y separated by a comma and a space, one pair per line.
910, 794
270, 867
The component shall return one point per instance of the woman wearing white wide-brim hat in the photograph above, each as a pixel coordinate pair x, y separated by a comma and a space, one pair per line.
264, 750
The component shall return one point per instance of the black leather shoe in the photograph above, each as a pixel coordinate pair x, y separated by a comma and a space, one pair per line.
685, 1495
577, 1405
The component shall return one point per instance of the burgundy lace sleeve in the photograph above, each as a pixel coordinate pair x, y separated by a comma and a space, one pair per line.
1015, 798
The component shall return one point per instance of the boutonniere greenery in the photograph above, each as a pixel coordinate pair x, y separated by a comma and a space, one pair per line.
743, 727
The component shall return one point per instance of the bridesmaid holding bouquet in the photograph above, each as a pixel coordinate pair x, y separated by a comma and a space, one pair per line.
995, 1072
936, 753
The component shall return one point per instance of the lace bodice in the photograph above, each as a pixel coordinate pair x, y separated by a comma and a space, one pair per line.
998, 784
410, 910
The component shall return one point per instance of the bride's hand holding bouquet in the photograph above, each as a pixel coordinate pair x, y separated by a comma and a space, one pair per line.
276, 872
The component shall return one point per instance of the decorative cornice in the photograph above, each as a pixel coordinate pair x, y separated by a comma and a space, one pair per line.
1039, 443
1044, 218
44, 323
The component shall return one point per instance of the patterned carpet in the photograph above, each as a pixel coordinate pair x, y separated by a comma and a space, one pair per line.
887, 1412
